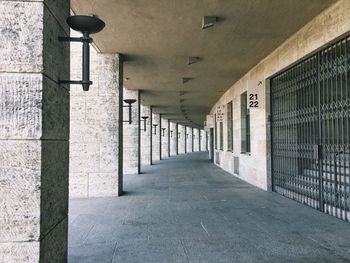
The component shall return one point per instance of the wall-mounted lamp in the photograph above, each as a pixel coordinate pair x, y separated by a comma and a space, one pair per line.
178, 135
129, 102
86, 25
186, 135
163, 131
171, 134
144, 118
155, 129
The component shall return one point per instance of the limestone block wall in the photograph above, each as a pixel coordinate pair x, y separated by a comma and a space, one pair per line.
182, 138
254, 168
145, 137
164, 138
155, 137
131, 134
34, 130
173, 139
94, 121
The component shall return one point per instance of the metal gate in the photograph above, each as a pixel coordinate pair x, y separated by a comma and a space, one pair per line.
310, 126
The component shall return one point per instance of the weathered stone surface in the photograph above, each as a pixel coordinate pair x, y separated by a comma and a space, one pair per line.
173, 141
155, 138
94, 131
145, 137
20, 181
20, 105
34, 129
164, 138
84, 157
55, 107
182, 138
54, 183
103, 184
21, 40
24, 252
131, 134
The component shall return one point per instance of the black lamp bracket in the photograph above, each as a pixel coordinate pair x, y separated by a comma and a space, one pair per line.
129, 102
144, 119
86, 25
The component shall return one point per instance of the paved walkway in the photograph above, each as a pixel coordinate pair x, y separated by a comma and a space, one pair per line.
185, 209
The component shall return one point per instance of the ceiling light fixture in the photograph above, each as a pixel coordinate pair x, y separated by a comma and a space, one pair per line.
193, 60
208, 21
185, 80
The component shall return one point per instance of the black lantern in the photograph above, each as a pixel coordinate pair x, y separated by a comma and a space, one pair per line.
171, 134
186, 135
178, 135
129, 102
155, 129
163, 131
144, 118
86, 25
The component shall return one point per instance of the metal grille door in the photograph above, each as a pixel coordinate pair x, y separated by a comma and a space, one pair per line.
310, 115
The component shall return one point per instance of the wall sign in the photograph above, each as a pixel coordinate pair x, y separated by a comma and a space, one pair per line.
220, 112
256, 94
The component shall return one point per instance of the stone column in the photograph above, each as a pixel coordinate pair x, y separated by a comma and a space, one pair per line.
199, 140
146, 136
196, 140
189, 139
173, 138
177, 138
186, 138
151, 137
169, 141
203, 140
164, 138
34, 131
182, 138
155, 138
160, 136
96, 131
131, 134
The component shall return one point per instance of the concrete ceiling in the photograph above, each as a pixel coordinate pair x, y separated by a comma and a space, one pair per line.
157, 36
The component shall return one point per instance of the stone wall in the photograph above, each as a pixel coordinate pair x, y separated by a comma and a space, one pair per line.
131, 134
254, 168
34, 131
94, 120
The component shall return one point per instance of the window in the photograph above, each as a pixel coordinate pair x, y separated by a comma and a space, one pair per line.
215, 133
229, 127
245, 125
221, 136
